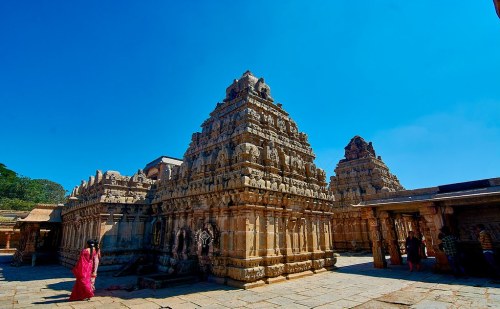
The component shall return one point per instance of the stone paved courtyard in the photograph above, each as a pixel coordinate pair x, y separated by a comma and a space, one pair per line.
356, 284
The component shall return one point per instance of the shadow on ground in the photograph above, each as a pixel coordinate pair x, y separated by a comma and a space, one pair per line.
426, 273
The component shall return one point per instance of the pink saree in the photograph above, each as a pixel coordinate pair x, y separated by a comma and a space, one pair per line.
82, 271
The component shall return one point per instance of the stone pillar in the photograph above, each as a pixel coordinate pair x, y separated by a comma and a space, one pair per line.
278, 235
365, 238
241, 246
312, 233
376, 236
270, 233
167, 227
116, 229
323, 233
7, 240
302, 234
357, 232
328, 233
434, 222
288, 237
256, 233
231, 234
392, 239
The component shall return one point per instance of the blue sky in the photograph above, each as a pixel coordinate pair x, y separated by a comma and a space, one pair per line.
91, 85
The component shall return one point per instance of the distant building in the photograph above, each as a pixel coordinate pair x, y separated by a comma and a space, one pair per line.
9, 235
157, 167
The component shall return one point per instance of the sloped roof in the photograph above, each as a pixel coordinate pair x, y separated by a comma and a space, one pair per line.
43, 213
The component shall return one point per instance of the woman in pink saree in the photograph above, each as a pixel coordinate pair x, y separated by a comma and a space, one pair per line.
83, 271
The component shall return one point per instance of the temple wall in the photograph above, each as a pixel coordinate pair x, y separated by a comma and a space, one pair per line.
250, 244
351, 231
120, 229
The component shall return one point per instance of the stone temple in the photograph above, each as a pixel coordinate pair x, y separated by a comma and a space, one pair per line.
247, 206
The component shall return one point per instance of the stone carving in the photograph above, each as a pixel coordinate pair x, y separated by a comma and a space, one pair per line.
248, 84
358, 148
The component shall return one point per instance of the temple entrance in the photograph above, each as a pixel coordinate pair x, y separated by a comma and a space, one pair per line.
389, 230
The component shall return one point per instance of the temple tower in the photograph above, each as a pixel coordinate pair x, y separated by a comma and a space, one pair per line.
248, 203
361, 173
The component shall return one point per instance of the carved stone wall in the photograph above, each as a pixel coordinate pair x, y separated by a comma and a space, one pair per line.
112, 208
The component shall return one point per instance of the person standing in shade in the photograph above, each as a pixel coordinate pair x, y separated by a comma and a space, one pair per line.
486, 242
413, 245
422, 244
449, 245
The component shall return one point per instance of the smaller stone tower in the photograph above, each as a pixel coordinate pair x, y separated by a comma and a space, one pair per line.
361, 173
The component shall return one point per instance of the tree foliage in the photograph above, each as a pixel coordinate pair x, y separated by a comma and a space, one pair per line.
22, 193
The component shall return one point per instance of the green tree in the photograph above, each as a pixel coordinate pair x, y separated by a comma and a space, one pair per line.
45, 191
22, 193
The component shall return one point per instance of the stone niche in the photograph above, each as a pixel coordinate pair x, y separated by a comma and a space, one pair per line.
247, 206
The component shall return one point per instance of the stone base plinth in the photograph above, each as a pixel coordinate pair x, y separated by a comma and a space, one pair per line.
299, 275
275, 279
321, 270
245, 285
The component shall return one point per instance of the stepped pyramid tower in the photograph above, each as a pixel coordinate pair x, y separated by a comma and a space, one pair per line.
247, 205
361, 173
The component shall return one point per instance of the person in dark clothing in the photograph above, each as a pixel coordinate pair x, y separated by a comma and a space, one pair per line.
485, 239
450, 249
413, 245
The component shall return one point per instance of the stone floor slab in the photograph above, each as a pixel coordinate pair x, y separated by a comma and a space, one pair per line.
355, 284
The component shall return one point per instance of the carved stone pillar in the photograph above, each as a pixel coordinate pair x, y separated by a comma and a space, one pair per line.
167, 231
270, 233
115, 230
434, 222
376, 236
241, 246
288, 237
357, 231
323, 234
392, 239
303, 235
329, 234
312, 233
224, 226
258, 231
278, 237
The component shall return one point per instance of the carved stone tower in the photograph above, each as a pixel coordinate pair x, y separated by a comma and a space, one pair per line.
247, 204
361, 173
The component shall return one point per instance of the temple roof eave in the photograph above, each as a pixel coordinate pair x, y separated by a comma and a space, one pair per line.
492, 193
